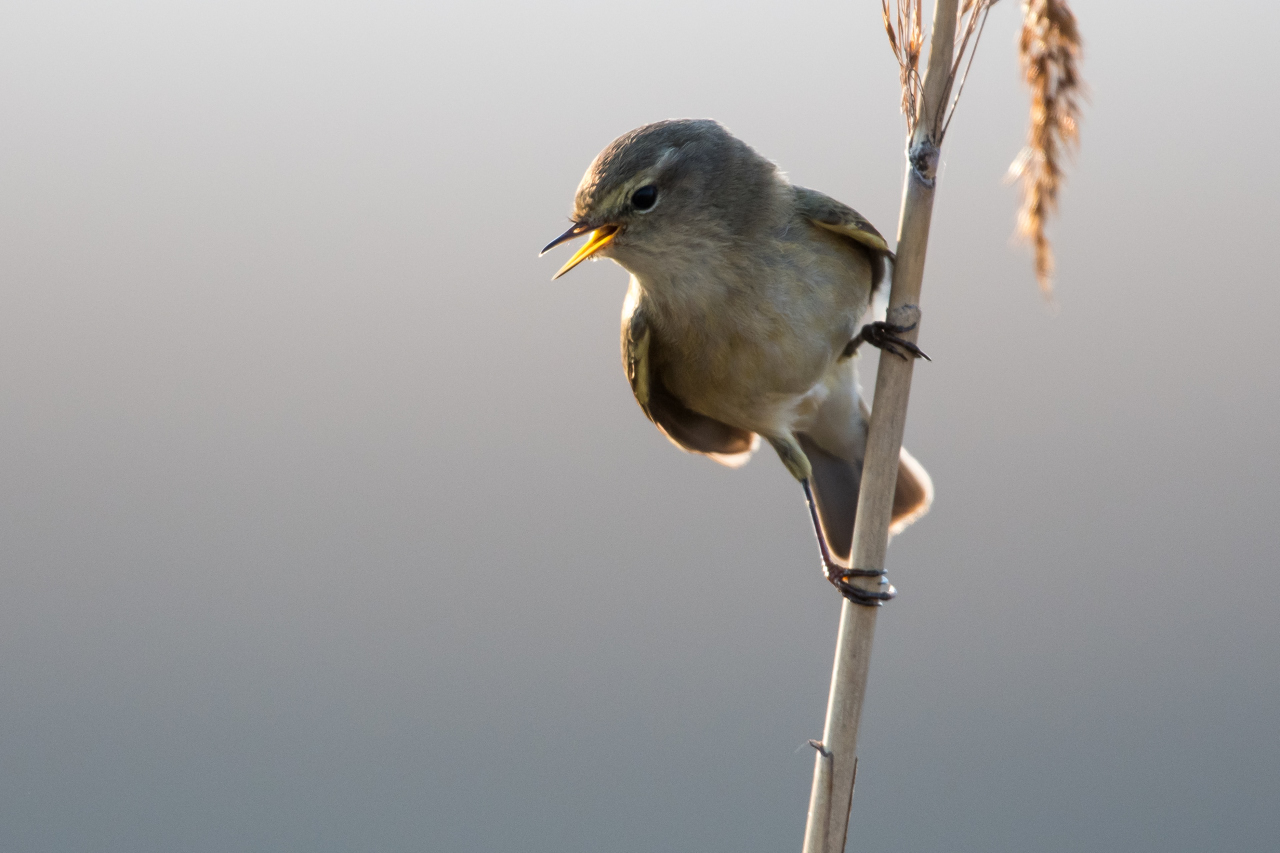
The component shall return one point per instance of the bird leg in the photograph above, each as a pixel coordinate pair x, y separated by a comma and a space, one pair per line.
839, 575
884, 336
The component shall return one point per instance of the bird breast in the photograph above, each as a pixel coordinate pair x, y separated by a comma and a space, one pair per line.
751, 338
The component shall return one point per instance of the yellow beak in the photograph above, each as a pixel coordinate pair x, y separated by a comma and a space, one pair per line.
599, 238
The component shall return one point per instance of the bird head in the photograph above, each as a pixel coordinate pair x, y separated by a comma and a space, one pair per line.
663, 184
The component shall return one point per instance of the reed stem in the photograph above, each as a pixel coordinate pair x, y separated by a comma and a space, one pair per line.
836, 760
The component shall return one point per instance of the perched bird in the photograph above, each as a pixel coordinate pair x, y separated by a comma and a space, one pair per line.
742, 315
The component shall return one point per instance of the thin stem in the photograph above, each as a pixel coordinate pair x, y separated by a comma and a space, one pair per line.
955, 102
833, 776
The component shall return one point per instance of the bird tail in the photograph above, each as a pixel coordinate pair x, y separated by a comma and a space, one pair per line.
835, 483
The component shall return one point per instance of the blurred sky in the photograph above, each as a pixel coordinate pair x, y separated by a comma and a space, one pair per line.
328, 522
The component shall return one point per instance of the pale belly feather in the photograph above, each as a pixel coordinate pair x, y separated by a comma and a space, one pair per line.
755, 340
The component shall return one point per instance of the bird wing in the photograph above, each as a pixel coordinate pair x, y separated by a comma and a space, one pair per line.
826, 212
686, 428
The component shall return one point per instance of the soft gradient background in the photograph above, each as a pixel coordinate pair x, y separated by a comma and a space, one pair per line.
328, 523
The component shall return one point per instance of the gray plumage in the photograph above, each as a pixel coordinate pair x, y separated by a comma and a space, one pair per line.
745, 293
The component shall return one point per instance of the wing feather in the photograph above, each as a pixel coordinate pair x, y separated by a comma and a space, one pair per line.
826, 212
687, 429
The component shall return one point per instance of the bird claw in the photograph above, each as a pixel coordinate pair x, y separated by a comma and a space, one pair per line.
839, 578
884, 336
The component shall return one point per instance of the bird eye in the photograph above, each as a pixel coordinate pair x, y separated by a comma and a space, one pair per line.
644, 198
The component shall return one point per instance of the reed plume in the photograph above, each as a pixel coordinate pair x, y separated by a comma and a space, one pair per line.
1049, 50
906, 38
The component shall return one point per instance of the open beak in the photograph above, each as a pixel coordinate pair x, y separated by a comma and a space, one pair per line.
599, 238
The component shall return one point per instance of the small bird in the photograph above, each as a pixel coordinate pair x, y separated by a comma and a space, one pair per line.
742, 315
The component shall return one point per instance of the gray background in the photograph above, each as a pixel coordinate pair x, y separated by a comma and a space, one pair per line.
327, 522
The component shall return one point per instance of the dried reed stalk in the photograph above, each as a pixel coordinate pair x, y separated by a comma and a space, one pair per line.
1050, 46
929, 104
1049, 49
925, 102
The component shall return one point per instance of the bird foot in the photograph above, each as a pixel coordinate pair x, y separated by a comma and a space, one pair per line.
884, 336
839, 577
